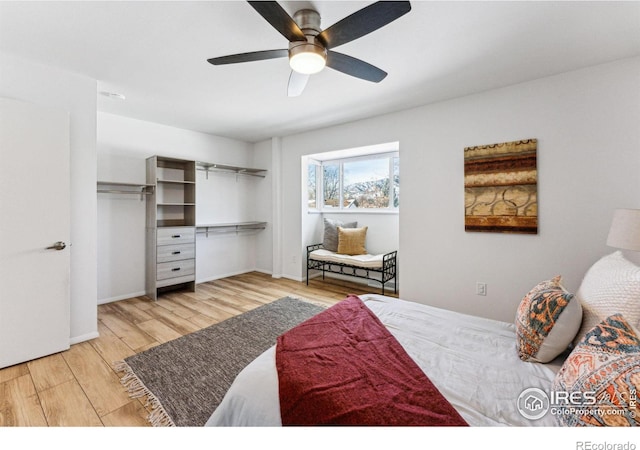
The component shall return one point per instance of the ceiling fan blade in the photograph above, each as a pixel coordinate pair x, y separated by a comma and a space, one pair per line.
354, 67
248, 57
280, 20
363, 22
297, 83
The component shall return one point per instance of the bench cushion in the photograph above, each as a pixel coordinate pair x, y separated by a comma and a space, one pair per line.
365, 261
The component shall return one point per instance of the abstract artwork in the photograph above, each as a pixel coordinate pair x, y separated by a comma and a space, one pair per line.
501, 187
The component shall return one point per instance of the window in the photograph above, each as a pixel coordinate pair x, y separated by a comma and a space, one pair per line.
364, 182
331, 185
312, 189
396, 181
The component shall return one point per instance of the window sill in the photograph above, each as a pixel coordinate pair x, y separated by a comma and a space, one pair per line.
356, 211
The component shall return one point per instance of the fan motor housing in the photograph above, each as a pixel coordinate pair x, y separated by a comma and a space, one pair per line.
311, 46
308, 21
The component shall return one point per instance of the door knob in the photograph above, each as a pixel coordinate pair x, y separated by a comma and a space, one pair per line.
58, 246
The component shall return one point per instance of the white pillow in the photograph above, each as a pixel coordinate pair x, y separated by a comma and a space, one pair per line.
610, 286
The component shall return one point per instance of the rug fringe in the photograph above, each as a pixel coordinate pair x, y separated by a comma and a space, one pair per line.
158, 417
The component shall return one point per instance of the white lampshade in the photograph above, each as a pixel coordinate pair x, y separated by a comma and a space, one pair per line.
625, 230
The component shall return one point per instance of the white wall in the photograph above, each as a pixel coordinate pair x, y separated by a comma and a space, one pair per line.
382, 232
49, 86
264, 208
586, 123
123, 146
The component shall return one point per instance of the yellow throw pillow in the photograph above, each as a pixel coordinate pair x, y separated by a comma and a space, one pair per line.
351, 241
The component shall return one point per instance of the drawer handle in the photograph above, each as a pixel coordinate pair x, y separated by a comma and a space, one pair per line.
176, 253
175, 269
175, 236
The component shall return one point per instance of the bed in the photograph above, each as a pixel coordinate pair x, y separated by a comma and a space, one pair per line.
480, 365
471, 360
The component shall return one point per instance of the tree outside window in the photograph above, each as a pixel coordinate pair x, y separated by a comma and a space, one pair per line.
331, 185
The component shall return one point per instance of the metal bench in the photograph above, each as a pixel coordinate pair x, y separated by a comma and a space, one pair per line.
361, 266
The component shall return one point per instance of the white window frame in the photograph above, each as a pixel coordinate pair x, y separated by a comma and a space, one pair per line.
320, 201
318, 165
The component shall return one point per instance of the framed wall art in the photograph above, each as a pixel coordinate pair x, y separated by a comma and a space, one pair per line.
501, 187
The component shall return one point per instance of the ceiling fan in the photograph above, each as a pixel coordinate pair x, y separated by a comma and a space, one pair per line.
310, 47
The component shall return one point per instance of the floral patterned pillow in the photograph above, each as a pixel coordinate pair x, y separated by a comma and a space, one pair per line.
547, 320
605, 367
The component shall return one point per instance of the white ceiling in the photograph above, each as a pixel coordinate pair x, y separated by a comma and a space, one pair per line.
155, 54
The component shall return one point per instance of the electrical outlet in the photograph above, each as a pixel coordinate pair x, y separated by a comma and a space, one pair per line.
294, 259
481, 288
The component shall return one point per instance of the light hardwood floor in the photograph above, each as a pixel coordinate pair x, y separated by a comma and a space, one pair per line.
79, 387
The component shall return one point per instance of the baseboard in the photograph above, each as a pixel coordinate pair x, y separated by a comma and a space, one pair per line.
84, 337
102, 301
289, 277
387, 285
266, 272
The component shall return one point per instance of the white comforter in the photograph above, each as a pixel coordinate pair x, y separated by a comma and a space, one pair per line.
471, 360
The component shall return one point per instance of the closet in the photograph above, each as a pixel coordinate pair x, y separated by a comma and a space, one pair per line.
171, 221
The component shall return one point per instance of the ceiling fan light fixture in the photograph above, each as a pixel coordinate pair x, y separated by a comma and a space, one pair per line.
311, 47
307, 58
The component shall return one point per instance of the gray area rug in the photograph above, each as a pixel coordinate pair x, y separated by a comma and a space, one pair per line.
185, 379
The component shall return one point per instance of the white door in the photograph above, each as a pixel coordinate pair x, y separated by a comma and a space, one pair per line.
34, 215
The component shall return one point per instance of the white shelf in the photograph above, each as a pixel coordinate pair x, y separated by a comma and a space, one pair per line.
232, 227
175, 182
211, 167
116, 187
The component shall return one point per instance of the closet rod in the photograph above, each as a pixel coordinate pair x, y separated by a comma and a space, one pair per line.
230, 228
236, 171
114, 191
142, 192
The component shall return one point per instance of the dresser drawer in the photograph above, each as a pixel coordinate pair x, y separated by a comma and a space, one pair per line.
176, 235
168, 253
176, 269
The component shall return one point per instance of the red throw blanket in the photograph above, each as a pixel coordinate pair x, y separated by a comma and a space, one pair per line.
343, 367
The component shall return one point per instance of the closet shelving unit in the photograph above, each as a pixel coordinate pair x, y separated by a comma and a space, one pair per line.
171, 233
233, 227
